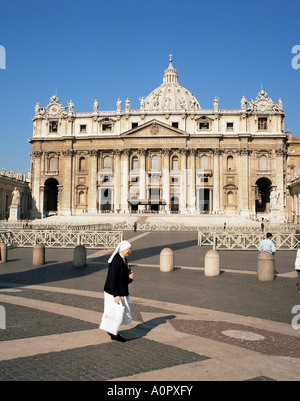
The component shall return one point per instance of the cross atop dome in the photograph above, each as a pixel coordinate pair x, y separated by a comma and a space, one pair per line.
170, 95
170, 75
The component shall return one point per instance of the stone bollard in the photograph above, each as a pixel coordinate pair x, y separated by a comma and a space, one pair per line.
38, 257
79, 256
166, 260
265, 266
3, 252
212, 263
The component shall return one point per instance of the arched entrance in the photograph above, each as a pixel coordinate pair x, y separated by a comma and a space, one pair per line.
134, 202
203, 199
106, 200
50, 196
174, 204
262, 195
154, 199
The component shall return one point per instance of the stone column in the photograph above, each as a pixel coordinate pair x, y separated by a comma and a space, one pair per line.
192, 179
92, 195
166, 179
95, 125
182, 205
35, 208
59, 200
279, 168
68, 183
216, 181
70, 125
243, 195
117, 181
125, 172
222, 167
210, 200
42, 200
142, 165
243, 122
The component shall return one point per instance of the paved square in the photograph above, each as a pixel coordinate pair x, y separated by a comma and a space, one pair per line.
186, 326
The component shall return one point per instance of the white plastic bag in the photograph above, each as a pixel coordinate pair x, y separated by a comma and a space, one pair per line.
297, 261
112, 318
127, 317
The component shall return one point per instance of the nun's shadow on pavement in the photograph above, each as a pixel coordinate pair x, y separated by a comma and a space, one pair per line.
144, 328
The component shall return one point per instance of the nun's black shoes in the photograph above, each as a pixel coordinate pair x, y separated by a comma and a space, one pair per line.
117, 337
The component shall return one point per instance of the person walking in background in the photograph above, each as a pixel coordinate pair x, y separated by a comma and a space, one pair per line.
297, 268
267, 245
116, 287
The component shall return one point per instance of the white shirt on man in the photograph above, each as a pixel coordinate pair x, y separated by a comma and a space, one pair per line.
267, 245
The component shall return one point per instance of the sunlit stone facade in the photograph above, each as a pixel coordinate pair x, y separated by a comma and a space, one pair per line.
169, 156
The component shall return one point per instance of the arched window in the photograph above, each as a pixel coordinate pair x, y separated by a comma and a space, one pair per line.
230, 198
52, 164
82, 164
154, 163
230, 163
134, 163
204, 162
81, 198
175, 163
263, 163
106, 162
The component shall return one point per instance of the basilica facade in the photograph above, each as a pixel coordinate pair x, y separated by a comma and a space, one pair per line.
169, 156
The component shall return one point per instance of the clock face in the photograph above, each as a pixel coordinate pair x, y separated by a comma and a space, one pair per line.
262, 106
53, 110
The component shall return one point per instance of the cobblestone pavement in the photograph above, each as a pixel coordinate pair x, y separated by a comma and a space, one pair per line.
186, 327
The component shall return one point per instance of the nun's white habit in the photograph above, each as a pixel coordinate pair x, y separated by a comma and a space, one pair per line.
116, 285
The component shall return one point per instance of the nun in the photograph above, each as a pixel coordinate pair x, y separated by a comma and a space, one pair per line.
116, 286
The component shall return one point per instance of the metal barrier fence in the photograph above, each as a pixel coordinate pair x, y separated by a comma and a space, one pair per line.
61, 239
247, 241
150, 226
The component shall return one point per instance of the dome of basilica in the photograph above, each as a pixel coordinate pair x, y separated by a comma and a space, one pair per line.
170, 95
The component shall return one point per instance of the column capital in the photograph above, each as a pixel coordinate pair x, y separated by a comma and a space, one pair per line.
116, 152
68, 152
142, 151
93, 152
37, 153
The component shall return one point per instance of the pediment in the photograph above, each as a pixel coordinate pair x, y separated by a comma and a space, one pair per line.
154, 129
230, 185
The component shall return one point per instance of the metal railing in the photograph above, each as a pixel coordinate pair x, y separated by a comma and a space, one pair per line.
247, 241
61, 239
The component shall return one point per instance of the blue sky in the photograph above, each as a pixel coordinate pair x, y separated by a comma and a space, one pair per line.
104, 49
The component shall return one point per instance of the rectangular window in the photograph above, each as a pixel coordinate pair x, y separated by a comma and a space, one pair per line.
53, 126
175, 124
204, 126
229, 126
262, 124
134, 125
52, 164
83, 128
135, 163
106, 127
